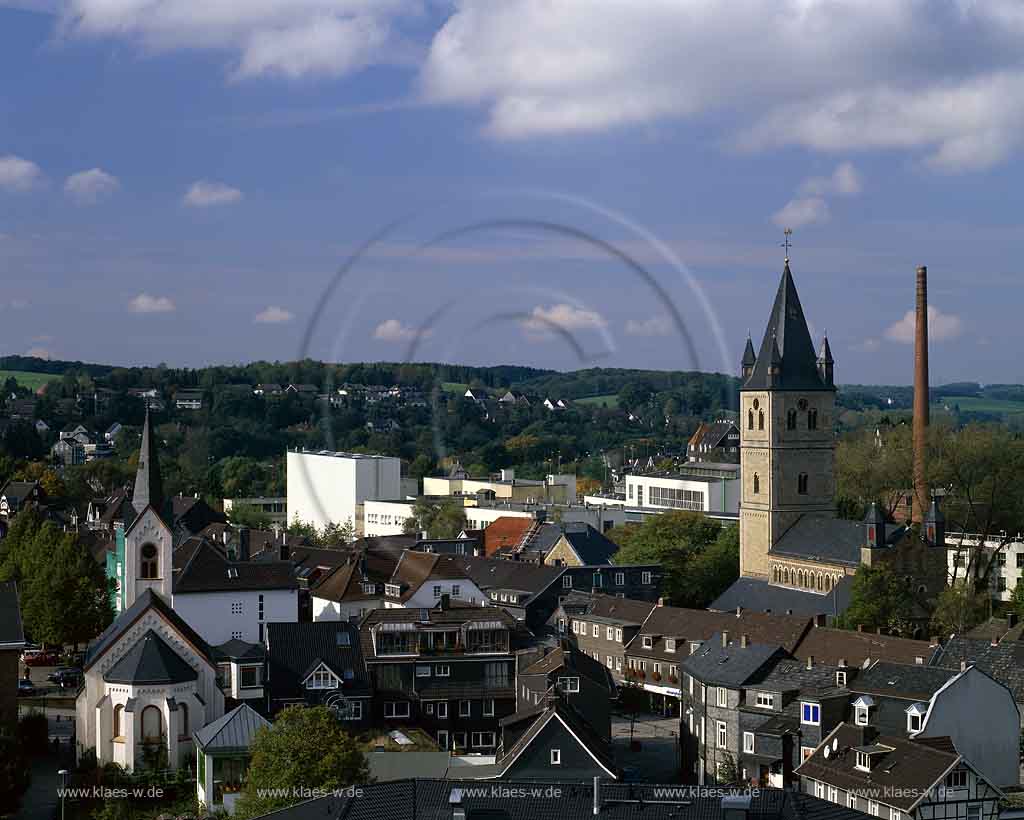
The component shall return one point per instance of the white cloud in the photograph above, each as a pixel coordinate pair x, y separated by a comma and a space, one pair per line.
88, 187
799, 212
392, 330
146, 303
944, 78
844, 181
204, 194
544, 320
654, 326
17, 174
273, 315
941, 326
291, 38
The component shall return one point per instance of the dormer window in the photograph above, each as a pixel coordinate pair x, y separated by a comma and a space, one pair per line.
863, 761
648, 642
915, 717
862, 710
321, 678
840, 678
670, 644
393, 590
369, 589
810, 713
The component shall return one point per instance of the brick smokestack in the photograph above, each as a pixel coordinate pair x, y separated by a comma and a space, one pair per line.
921, 494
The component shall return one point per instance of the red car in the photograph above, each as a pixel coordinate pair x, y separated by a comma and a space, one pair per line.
40, 657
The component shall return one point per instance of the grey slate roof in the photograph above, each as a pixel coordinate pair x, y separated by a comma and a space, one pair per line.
431, 799
239, 650
294, 650
1004, 662
897, 680
731, 665
147, 600
207, 569
787, 337
385, 766
592, 547
231, 732
823, 538
12, 635
150, 661
758, 595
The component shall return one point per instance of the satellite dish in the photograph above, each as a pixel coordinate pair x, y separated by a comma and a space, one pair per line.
827, 753
835, 743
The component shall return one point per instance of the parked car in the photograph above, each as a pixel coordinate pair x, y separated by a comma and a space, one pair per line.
65, 677
39, 657
25, 687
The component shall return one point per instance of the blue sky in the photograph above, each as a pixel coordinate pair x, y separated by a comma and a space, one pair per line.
181, 180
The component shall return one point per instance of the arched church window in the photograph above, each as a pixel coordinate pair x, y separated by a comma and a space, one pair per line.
791, 420
801, 484
760, 419
183, 708
152, 725
812, 419
757, 484
750, 419
118, 720
149, 562
821, 582
785, 575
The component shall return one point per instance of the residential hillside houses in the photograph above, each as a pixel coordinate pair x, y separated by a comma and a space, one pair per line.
12, 641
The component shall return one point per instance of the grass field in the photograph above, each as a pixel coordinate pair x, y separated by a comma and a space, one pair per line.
981, 405
33, 381
454, 387
610, 401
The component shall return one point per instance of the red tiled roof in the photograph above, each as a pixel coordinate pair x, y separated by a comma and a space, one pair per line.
506, 531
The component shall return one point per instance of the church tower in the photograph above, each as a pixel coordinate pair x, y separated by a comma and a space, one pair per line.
149, 487
787, 447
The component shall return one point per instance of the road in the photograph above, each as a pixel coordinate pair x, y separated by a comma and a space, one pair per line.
657, 760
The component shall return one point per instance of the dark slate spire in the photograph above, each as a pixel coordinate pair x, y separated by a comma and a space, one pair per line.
797, 367
826, 364
874, 523
149, 488
749, 359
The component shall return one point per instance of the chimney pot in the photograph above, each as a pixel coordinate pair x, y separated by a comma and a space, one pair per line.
963, 666
810, 661
744, 640
725, 639
661, 602
842, 663
739, 610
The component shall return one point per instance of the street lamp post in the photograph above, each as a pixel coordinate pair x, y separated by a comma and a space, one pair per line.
63, 787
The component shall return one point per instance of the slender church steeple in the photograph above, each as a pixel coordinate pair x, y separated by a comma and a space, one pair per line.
149, 488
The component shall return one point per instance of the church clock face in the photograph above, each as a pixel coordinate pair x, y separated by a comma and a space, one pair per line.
802, 404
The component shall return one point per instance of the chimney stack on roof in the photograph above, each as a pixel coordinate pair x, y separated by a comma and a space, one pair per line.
810, 661
725, 639
921, 412
744, 640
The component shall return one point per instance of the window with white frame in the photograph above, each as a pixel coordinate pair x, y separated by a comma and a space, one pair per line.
442, 709
647, 642
489, 707
355, 710
596, 631
556, 757
610, 661
851, 800
423, 671
723, 696
974, 812
748, 743
428, 707
810, 714
620, 579
722, 736
482, 740
393, 590
894, 814
863, 761
322, 678
873, 808
819, 789
618, 634
609, 633
618, 664
396, 709
442, 670
765, 700
569, 684
957, 779
833, 794
840, 678
567, 582
464, 708
646, 578
670, 644
437, 591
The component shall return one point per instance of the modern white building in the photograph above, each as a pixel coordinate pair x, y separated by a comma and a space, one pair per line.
1008, 554
555, 488
327, 487
701, 487
389, 517
274, 508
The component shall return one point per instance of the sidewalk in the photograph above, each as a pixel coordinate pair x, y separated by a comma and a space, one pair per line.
40, 801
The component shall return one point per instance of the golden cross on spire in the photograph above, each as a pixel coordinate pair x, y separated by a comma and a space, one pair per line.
787, 244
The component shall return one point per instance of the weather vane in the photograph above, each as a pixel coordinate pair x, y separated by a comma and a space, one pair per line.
787, 244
